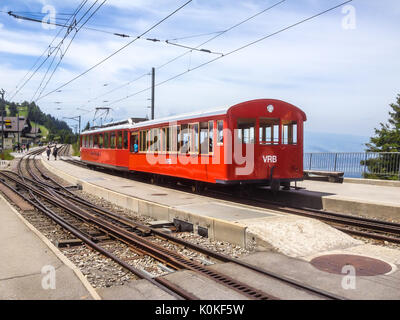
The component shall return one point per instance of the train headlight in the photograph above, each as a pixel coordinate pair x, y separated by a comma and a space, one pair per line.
270, 108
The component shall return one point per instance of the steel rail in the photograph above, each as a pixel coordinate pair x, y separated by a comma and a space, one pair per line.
154, 250
200, 249
64, 224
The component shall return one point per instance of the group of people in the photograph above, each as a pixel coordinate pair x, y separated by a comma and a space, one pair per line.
21, 148
48, 152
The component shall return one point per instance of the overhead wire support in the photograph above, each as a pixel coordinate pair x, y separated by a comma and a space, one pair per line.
118, 34
119, 50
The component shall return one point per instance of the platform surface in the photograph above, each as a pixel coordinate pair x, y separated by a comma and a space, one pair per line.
23, 258
232, 222
363, 192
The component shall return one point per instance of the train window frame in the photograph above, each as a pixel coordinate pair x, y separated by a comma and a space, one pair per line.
289, 124
91, 141
274, 128
194, 140
176, 136
204, 127
106, 140
95, 141
211, 136
118, 138
246, 139
220, 142
131, 146
125, 140
184, 130
101, 143
112, 140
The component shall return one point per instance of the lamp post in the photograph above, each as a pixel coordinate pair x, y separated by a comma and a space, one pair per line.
77, 118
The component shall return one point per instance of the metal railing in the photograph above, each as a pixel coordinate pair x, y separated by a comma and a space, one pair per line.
356, 164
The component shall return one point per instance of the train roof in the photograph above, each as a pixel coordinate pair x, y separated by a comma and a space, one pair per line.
130, 124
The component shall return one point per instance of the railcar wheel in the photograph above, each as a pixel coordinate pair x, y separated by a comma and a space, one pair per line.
197, 187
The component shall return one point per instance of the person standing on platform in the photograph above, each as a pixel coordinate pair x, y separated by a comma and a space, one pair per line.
48, 151
27, 147
55, 151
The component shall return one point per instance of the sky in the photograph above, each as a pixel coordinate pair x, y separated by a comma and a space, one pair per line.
341, 68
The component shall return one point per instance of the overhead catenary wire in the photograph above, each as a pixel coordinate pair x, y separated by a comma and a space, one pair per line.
79, 28
119, 50
58, 47
19, 86
236, 50
191, 49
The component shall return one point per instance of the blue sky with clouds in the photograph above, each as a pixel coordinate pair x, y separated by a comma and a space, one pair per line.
344, 79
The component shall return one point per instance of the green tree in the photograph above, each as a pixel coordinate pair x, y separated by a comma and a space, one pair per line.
386, 139
12, 108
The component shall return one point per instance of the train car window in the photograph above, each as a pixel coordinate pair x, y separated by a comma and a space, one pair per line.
125, 139
101, 140
143, 141
158, 138
83, 141
176, 135
163, 136
119, 139
194, 132
80, 141
112, 140
184, 139
204, 141
289, 132
269, 131
96, 141
134, 148
245, 130
91, 141
220, 133
106, 140
210, 136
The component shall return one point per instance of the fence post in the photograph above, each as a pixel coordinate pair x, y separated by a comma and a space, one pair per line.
310, 161
365, 164
334, 169
398, 159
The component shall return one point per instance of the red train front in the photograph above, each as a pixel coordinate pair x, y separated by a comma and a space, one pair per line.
255, 142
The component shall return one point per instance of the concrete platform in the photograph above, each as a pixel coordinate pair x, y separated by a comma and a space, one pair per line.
134, 290
239, 224
381, 201
380, 287
28, 260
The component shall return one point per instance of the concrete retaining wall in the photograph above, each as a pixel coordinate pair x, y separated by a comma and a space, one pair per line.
217, 229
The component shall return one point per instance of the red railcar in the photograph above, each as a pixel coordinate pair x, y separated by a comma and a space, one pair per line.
254, 142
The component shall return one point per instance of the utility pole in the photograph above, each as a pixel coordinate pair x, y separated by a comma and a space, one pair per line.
18, 125
153, 76
2, 121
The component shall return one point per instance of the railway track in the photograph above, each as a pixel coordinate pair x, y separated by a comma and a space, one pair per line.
89, 222
359, 226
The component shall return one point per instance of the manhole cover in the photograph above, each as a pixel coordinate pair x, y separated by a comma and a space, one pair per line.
159, 194
364, 266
